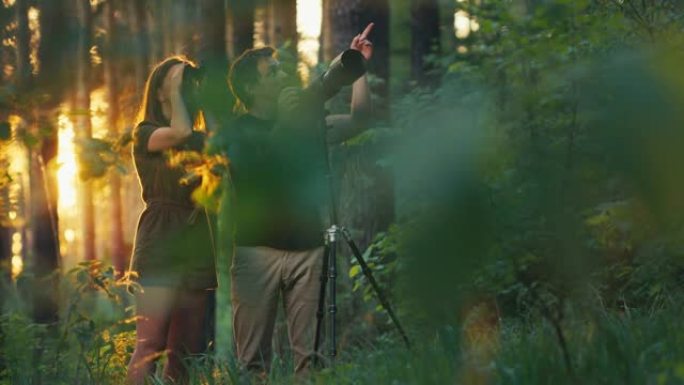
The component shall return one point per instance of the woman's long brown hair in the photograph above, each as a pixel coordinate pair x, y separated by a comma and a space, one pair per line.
151, 109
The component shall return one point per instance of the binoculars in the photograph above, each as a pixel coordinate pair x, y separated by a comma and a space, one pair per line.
191, 89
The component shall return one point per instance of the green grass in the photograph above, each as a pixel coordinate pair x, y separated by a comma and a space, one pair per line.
93, 343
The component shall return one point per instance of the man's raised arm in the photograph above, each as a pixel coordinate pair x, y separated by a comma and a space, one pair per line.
343, 127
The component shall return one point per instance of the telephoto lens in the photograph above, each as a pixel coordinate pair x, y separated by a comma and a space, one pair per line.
343, 71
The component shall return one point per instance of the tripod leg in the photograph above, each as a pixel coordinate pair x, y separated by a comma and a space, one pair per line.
321, 298
374, 284
332, 307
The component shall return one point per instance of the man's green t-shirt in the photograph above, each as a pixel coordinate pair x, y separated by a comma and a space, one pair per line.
279, 185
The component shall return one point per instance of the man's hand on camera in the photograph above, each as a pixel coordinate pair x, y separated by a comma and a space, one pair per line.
290, 105
289, 100
362, 44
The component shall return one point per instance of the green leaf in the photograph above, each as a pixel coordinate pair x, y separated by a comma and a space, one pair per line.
5, 131
354, 271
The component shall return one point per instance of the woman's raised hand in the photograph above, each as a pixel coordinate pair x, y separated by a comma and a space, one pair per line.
174, 79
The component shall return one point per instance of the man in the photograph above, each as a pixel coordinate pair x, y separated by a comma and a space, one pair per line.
277, 176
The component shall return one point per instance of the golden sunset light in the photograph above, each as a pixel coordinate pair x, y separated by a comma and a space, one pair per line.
476, 192
309, 16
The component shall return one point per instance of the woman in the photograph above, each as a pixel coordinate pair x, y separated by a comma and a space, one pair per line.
172, 255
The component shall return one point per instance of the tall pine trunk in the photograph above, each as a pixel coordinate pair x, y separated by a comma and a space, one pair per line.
215, 101
283, 24
366, 198
43, 242
23, 63
447, 12
346, 18
425, 39
242, 26
182, 26
110, 64
82, 121
42, 256
364, 190
144, 48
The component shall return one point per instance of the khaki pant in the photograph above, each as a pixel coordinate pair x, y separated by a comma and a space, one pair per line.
259, 276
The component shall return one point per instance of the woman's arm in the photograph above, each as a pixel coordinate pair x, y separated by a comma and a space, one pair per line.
180, 127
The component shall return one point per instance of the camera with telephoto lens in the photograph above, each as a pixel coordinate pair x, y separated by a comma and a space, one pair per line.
344, 70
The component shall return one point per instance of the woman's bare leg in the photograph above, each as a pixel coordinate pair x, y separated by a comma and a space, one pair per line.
153, 307
186, 333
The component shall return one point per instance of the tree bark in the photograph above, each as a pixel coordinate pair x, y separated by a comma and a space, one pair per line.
42, 239
283, 24
5, 241
137, 9
325, 38
58, 29
23, 64
447, 12
366, 199
347, 18
242, 22
110, 64
182, 27
215, 95
5, 280
213, 29
425, 39
82, 120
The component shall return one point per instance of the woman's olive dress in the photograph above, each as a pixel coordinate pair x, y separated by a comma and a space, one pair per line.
173, 243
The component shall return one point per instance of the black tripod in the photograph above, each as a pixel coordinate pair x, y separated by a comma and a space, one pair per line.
348, 67
329, 280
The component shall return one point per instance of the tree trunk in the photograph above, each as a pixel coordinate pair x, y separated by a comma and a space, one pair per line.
283, 24
366, 203
153, 20
182, 27
425, 39
42, 259
5, 281
55, 53
213, 29
343, 22
5, 237
110, 64
325, 38
346, 19
5, 259
215, 94
447, 12
23, 68
364, 191
242, 22
137, 10
216, 97
82, 122
44, 239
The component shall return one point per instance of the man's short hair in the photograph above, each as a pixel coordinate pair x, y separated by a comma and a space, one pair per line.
245, 72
